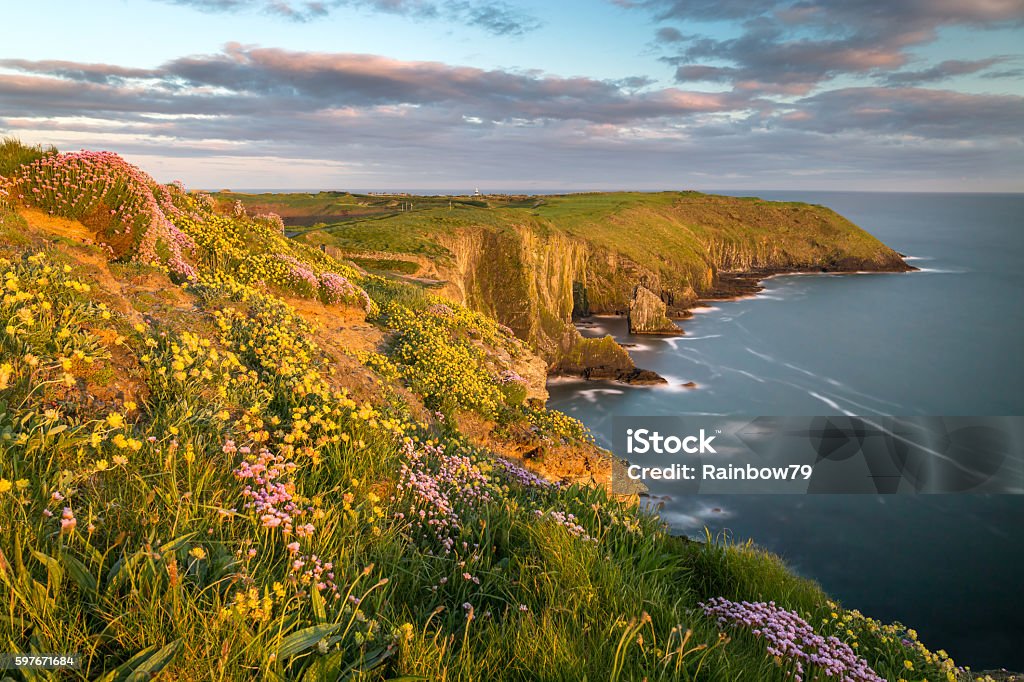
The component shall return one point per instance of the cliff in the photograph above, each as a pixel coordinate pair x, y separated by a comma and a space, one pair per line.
647, 314
537, 265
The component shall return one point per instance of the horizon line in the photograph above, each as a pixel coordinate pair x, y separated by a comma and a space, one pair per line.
433, 191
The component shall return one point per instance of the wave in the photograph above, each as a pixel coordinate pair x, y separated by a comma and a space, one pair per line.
592, 395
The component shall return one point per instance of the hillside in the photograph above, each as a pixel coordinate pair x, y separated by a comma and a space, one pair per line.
533, 263
225, 455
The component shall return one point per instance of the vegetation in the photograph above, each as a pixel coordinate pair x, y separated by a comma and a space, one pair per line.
191, 488
387, 265
14, 154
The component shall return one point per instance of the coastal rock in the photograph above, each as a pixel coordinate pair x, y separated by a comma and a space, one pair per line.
601, 359
647, 314
643, 377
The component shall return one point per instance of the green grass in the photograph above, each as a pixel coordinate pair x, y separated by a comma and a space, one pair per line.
405, 267
14, 154
680, 232
125, 535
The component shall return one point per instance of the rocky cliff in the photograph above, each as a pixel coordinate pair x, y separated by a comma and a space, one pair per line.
532, 282
651, 256
647, 314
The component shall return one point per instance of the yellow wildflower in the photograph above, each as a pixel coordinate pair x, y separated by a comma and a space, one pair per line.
5, 375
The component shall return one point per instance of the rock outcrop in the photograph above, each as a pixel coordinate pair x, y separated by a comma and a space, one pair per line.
647, 314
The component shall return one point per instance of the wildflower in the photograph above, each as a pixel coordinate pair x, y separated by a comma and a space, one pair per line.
790, 638
67, 520
21, 484
197, 552
5, 485
115, 420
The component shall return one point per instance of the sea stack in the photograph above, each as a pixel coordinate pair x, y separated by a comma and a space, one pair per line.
647, 314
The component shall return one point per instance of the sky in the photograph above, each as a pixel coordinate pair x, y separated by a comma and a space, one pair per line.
893, 95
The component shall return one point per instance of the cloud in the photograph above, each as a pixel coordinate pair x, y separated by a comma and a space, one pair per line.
793, 46
905, 112
93, 73
942, 71
496, 17
668, 34
837, 13
1004, 73
379, 122
242, 75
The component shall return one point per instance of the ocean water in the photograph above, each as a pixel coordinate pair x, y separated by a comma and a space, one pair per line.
947, 340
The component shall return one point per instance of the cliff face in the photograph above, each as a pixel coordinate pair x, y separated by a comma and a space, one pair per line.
532, 282
523, 279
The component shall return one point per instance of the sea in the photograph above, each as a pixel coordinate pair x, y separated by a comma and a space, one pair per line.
946, 340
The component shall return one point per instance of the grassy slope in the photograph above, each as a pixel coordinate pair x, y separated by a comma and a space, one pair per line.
129, 405
682, 231
301, 211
